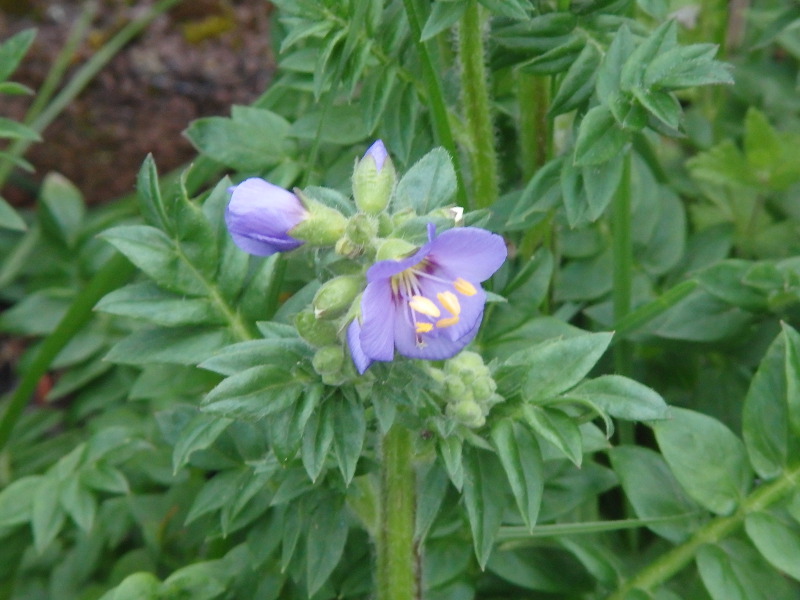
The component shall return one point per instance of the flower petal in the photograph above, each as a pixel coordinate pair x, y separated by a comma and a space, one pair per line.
436, 347
378, 152
383, 269
377, 326
361, 360
468, 252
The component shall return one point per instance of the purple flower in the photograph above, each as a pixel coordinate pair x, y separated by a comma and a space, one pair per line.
260, 216
378, 152
428, 305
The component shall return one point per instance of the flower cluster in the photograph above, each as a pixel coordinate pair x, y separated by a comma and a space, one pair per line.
425, 303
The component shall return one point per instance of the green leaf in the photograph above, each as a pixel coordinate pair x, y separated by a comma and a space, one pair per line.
199, 581
547, 569
79, 503
105, 478
325, 541
686, 66
12, 88
16, 500
771, 155
664, 106
765, 416
139, 586
317, 439
778, 540
252, 140
443, 15
429, 184
148, 302
182, 346
278, 352
342, 125
622, 398
218, 491
707, 459
733, 570
286, 427
539, 34
792, 374
9, 219
578, 83
654, 492
610, 72
601, 182
521, 458
61, 209
254, 393
558, 428
13, 50
198, 434
151, 204
600, 137
451, 450
514, 9
663, 39
484, 491
350, 427
552, 367
724, 164
47, 516
431, 492
556, 59
17, 131
724, 280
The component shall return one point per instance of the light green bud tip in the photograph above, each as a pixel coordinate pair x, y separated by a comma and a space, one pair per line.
324, 225
315, 332
328, 360
467, 412
394, 249
373, 180
334, 298
361, 229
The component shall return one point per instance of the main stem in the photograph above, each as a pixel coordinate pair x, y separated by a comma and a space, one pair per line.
475, 97
397, 553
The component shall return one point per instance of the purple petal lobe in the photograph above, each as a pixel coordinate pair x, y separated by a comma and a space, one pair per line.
377, 327
469, 252
260, 214
378, 152
386, 268
361, 360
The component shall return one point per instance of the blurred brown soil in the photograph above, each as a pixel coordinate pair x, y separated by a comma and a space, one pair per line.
197, 60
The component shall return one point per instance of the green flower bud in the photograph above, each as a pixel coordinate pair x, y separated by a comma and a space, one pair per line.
394, 248
467, 412
483, 388
328, 360
465, 362
345, 247
323, 226
361, 230
373, 180
315, 332
456, 388
334, 298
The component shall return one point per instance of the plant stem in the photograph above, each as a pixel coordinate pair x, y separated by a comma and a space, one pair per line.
673, 561
397, 553
113, 274
533, 97
438, 108
475, 99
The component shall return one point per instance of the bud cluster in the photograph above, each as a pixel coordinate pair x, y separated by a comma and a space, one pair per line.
470, 391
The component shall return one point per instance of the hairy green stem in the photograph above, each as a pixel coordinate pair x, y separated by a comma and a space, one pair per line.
437, 105
113, 274
397, 553
477, 109
533, 97
676, 559
82, 78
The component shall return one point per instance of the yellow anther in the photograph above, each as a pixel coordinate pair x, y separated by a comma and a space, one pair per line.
464, 287
424, 327
425, 306
448, 322
450, 302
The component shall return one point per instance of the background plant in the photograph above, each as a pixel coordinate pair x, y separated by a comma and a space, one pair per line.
644, 186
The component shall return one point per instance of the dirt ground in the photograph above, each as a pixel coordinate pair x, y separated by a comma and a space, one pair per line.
197, 60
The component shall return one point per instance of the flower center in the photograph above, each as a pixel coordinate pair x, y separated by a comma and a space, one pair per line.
409, 287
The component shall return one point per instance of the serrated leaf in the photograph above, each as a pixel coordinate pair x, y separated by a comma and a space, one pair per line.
558, 428
198, 434
253, 393
429, 184
484, 490
521, 458
349, 426
578, 83
600, 137
707, 459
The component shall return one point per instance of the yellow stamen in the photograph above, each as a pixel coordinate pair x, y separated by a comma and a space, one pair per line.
448, 322
424, 327
450, 302
464, 287
425, 306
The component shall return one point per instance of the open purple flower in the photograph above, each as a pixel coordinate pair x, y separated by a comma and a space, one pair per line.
260, 215
428, 305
